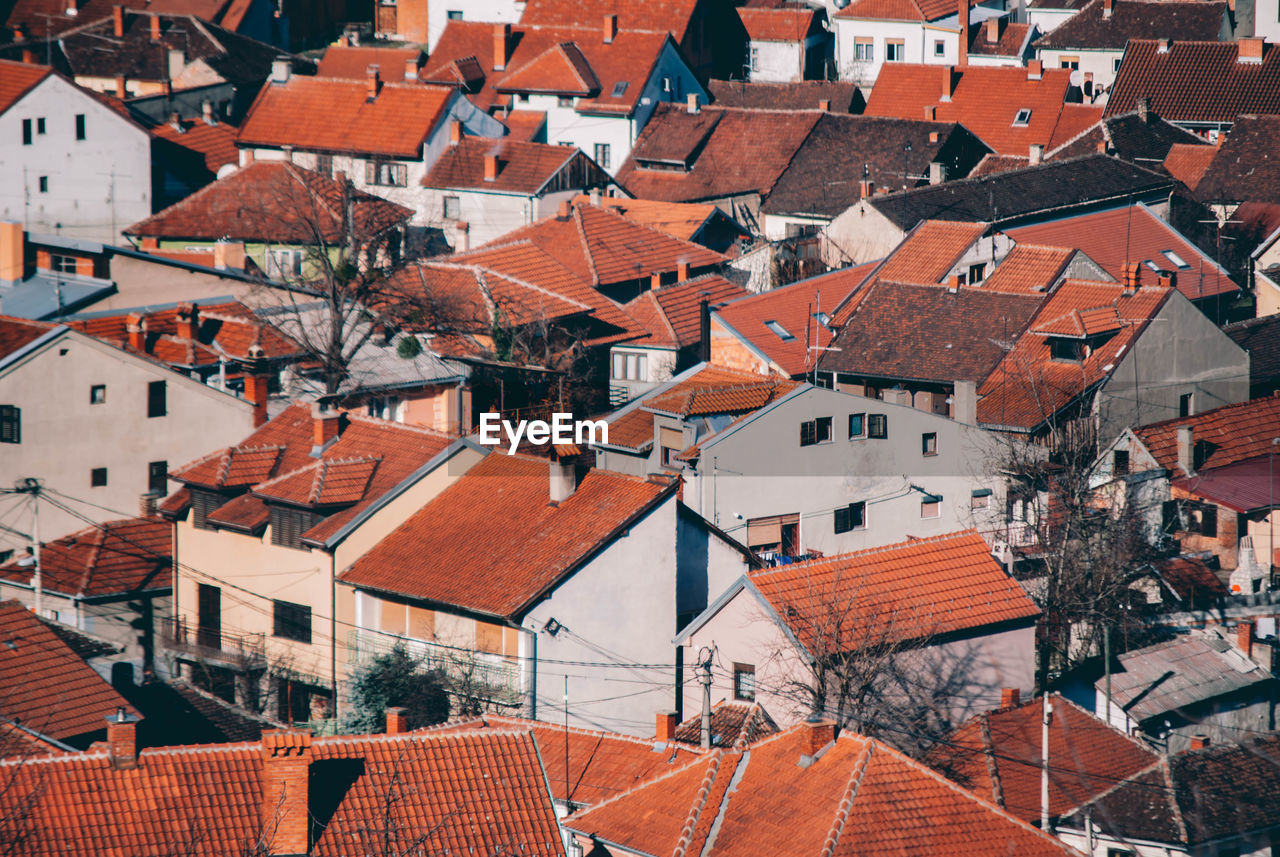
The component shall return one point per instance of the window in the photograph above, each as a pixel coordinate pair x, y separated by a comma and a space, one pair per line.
97, 394
630, 367
63, 264
288, 525
98, 477
454, 15
386, 173
672, 441
1023, 118
40, 125
1066, 350
929, 443
43, 184
851, 517
158, 477
931, 506
877, 426
1185, 405
80, 135
857, 426
780, 331
1120, 462
292, 621
977, 273
1178, 262
894, 50
26, 132
324, 165
452, 208
602, 155
620, 88
753, 64
1072, 63
980, 498
864, 50
564, 101
1119, 852
209, 616
1115, 65
815, 431
779, 533
202, 504
744, 682
939, 48
157, 399
284, 263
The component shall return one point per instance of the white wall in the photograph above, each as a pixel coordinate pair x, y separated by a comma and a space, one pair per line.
497, 11
1100, 63
917, 41
95, 187
777, 62
1047, 20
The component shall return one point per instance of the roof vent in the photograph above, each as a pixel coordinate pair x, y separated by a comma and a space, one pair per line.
1162, 46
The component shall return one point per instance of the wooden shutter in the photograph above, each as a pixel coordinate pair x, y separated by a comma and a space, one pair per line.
422, 623
10, 424
764, 531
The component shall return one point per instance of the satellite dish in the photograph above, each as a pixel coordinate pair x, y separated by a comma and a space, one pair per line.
1077, 78
226, 170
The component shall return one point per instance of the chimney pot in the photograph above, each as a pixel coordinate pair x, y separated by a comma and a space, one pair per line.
1107, 6
610, 28
1244, 637
819, 732
682, 271
563, 479
117, 20
187, 319
155, 28
824, 105
411, 70
1035, 69
1199, 742
1010, 697
1250, 49
692, 102
397, 721
1186, 449
146, 507
257, 383
501, 46
491, 167
1132, 275
327, 423
374, 80
668, 722
286, 761
655, 280
136, 327
1167, 279
122, 740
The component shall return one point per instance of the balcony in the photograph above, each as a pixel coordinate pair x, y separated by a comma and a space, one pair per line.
489, 678
243, 652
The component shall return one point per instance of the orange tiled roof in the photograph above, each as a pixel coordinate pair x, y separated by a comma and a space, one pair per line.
1231, 434
475, 294
17, 333
671, 16
1029, 268
522, 167
734, 723
600, 764
215, 144
283, 446
997, 756
906, 89
1188, 162
208, 799
906, 591
792, 308
681, 219
17, 742
1029, 387
432, 556
929, 251
335, 115
560, 69
271, 201
781, 23
17, 79
44, 685
900, 10
849, 800
352, 62
525, 125
672, 314
1132, 234
107, 559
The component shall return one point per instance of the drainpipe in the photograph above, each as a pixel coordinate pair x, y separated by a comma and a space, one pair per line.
533, 672
333, 635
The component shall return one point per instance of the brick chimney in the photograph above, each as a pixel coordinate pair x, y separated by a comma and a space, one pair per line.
397, 721
135, 326
257, 384
455, 132
1167, 279
565, 211
668, 722
286, 822
1107, 8
491, 167
187, 320
1035, 69
1162, 46
228, 255
948, 83
930, 113
818, 733
1186, 449
682, 271
1132, 276
117, 21
146, 509
122, 740
1010, 697
1199, 742
13, 251
992, 28
1244, 637
121, 90
1249, 50
962, 14
501, 46
411, 71
610, 28
327, 423
691, 103
155, 28
563, 479
373, 79
824, 104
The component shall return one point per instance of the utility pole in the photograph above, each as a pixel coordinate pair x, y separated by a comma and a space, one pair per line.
566, 743
1044, 763
31, 485
704, 667
1106, 658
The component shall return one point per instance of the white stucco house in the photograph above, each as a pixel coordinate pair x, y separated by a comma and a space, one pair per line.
72, 165
870, 33
788, 42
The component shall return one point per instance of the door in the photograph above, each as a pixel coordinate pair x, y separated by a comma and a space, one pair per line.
209, 617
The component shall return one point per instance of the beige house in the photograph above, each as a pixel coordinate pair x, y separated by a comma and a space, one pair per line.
263, 529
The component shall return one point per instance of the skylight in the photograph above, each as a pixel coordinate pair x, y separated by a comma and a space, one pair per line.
823, 318
1175, 259
781, 331
1023, 119
620, 88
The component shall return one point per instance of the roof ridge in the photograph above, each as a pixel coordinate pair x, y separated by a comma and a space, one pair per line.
1173, 799
94, 553
586, 246
860, 765
989, 755
690, 826
317, 481
924, 540
699, 759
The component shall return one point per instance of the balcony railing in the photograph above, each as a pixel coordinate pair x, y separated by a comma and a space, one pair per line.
238, 651
490, 678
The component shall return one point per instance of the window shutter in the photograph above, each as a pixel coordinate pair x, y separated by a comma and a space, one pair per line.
10, 424
764, 531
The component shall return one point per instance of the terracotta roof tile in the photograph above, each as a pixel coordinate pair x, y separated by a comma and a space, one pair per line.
44, 685
671, 16
1136, 19
1115, 236
475, 293
1188, 162
1246, 166
734, 724
789, 22
1196, 81
847, 801
526, 125
522, 167
672, 313
844, 96
906, 591
335, 115
1029, 268
214, 144
18, 742
17, 79
107, 559
997, 756
681, 219
929, 251
16, 333
1230, 434
271, 201
900, 10
431, 556
352, 62
994, 163
560, 69
1009, 42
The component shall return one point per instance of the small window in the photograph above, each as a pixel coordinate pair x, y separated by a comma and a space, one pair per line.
324, 165
63, 264
80, 135
158, 477
931, 506
26, 132
43, 184
980, 498
939, 48
929, 443
1072, 63
564, 101
40, 125
1186, 405
454, 15
753, 60
977, 273
851, 517
386, 173
630, 367
157, 399
894, 50
877, 426
284, 263
1115, 65
815, 431
292, 621
1120, 462
452, 208
98, 477
1066, 350
744, 682
864, 50
857, 426
98, 394
781, 332
602, 155
1178, 262
1023, 118
620, 88
10, 424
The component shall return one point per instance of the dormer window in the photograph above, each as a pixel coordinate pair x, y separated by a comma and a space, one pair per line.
1067, 350
1023, 118
782, 333
620, 88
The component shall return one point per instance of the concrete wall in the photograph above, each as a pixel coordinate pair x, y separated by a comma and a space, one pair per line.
1048, 20
857, 235
142, 282
917, 38
497, 11
64, 437
705, 565
1181, 351
778, 62
94, 187
1101, 64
